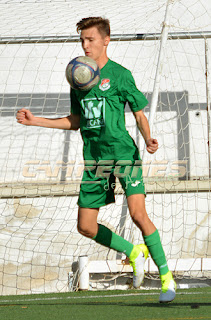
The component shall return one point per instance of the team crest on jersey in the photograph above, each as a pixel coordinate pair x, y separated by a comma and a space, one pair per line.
105, 84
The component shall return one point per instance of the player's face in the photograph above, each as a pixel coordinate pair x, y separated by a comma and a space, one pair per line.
93, 43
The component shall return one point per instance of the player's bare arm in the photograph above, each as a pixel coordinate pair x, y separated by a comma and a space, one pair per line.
71, 122
143, 125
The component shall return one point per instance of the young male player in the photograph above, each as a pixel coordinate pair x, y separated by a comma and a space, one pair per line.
99, 113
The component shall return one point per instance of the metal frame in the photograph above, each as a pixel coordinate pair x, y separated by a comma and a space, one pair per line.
114, 37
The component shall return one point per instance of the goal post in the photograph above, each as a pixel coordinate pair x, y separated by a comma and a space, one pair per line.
41, 168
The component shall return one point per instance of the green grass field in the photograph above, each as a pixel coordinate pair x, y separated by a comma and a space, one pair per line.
131, 304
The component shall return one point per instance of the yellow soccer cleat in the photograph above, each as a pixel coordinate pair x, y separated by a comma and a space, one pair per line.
137, 260
168, 288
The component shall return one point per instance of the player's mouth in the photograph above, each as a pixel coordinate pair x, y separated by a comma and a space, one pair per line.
87, 53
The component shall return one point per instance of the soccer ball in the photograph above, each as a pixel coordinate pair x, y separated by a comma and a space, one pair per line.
82, 73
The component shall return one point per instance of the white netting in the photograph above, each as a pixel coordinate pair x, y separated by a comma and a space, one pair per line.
39, 240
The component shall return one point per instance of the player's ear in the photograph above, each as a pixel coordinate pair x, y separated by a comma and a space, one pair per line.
106, 41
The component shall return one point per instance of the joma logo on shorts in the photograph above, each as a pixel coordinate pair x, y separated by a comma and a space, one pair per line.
136, 183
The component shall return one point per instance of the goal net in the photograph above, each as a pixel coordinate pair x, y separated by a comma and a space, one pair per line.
169, 54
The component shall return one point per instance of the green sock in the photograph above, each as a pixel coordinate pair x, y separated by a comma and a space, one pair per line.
156, 250
111, 240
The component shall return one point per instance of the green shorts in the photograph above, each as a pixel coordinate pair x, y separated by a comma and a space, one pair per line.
98, 182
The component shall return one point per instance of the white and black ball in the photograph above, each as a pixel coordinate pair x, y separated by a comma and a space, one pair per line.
82, 73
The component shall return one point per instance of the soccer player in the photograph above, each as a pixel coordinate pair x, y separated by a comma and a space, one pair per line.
99, 113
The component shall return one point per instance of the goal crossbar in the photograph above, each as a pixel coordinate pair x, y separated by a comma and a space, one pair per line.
114, 37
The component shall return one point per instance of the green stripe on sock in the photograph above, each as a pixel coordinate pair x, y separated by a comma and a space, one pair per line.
111, 240
156, 251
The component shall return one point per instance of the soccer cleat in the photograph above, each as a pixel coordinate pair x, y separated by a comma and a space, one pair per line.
137, 259
168, 288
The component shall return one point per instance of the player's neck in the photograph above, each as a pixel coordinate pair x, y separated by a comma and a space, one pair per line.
102, 61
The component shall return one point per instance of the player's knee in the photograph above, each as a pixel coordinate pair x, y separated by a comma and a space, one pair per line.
85, 230
139, 216
81, 229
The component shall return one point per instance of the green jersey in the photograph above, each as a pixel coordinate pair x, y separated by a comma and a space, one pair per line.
102, 114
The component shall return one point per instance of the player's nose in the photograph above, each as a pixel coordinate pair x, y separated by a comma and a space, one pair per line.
85, 44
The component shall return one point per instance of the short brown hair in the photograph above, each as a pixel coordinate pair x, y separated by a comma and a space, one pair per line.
103, 25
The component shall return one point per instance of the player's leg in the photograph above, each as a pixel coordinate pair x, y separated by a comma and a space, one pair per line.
87, 222
136, 205
93, 196
135, 191
88, 227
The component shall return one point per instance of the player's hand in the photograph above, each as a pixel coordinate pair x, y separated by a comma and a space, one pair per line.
152, 145
25, 117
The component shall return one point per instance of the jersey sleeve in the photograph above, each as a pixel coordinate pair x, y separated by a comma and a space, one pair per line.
74, 103
130, 92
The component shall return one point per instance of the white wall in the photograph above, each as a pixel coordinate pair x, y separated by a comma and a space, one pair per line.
40, 69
